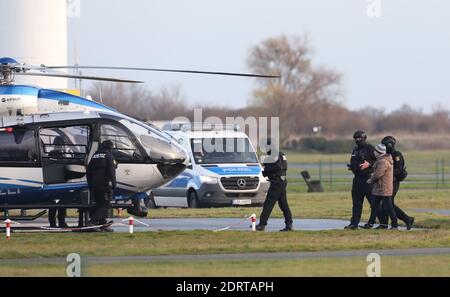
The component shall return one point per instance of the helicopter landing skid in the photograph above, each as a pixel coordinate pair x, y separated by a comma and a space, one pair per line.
24, 218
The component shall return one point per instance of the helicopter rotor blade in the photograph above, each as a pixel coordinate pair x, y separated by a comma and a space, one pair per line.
43, 67
80, 77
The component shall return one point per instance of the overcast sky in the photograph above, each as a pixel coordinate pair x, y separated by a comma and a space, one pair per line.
400, 57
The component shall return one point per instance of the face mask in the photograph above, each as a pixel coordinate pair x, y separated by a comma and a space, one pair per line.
359, 142
390, 149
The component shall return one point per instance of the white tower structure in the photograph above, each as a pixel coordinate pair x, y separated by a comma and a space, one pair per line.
35, 32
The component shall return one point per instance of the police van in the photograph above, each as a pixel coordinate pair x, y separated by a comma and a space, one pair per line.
224, 169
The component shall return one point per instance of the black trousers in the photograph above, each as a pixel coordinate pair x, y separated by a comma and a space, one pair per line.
102, 200
383, 216
387, 205
360, 189
276, 193
62, 213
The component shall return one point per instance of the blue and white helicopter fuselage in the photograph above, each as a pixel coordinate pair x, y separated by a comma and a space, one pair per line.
47, 138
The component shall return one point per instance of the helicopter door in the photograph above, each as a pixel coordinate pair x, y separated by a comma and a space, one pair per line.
20, 173
63, 151
132, 172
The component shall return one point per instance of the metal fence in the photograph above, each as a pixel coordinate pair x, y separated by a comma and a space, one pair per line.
334, 176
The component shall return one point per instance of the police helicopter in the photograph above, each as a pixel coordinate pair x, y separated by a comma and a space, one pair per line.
47, 138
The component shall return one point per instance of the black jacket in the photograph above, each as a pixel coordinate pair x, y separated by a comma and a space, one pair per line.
101, 171
399, 166
361, 153
277, 169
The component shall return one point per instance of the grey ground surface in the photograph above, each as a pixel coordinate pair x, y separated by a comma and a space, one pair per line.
242, 256
436, 211
212, 224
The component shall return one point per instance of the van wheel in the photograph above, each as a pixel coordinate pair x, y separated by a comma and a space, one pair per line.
150, 201
193, 201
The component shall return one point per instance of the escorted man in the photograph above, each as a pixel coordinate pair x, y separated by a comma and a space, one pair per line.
275, 170
361, 163
382, 179
400, 174
101, 176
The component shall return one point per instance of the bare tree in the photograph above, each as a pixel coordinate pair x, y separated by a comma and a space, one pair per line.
302, 86
138, 101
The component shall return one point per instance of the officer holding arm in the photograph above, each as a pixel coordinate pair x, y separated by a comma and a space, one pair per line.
101, 176
361, 163
275, 170
400, 174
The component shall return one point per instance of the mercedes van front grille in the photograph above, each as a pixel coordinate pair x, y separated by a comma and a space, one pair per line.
237, 183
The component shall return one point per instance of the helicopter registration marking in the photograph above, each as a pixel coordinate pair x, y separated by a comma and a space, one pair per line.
10, 99
9, 192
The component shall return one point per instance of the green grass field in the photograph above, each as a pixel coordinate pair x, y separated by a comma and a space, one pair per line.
321, 205
207, 242
333, 205
390, 266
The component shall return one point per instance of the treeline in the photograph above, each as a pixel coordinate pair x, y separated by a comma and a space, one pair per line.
307, 99
334, 119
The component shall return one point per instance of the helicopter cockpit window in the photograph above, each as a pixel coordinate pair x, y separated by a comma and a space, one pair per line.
64, 142
17, 145
124, 149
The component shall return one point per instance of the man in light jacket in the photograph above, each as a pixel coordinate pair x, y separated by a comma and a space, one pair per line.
382, 180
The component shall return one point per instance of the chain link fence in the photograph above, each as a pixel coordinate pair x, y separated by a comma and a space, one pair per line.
334, 176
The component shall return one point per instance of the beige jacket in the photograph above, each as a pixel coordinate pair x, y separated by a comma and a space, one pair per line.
382, 177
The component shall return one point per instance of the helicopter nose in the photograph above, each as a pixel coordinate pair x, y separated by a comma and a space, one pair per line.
170, 157
174, 162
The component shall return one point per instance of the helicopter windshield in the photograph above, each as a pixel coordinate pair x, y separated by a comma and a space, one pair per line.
160, 147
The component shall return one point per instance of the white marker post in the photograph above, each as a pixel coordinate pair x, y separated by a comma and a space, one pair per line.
131, 225
8, 229
253, 218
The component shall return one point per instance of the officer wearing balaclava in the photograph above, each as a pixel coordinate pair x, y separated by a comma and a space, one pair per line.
275, 167
360, 164
101, 177
400, 174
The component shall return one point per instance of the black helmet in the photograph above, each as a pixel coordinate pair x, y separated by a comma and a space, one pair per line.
107, 145
360, 134
389, 142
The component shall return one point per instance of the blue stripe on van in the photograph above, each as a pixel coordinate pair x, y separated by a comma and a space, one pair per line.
236, 170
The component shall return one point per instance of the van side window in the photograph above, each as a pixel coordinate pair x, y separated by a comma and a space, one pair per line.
64, 142
18, 145
124, 149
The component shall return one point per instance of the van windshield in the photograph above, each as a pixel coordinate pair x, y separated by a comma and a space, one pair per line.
222, 150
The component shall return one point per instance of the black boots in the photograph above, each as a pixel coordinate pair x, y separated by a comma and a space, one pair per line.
260, 227
382, 227
351, 227
367, 226
409, 223
287, 228
62, 224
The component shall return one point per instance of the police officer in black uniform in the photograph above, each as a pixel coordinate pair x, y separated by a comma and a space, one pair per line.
275, 170
361, 163
400, 174
101, 176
